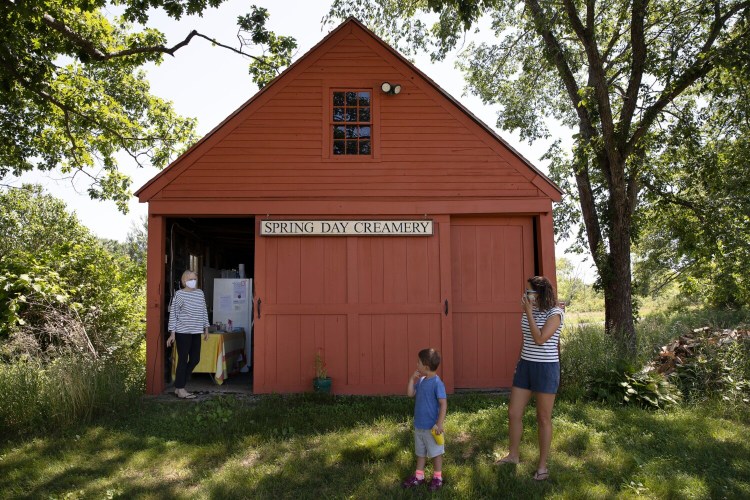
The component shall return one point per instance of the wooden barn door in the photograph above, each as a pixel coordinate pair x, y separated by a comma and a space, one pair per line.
367, 303
490, 259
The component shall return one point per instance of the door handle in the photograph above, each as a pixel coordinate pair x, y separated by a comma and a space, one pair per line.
259, 301
446, 307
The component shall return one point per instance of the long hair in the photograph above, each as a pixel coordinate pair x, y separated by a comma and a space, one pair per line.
547, 298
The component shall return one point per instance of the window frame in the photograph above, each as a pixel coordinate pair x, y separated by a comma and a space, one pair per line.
327, 136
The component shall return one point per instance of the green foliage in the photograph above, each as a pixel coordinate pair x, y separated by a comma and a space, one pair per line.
218, 411
22, 394
589, 354
717, 370
617, 73
266, 67
362, 447
134, 247
696, 226
73, 94
25, 283
585, 350
61, 290
578, 295
628, 386
39, 398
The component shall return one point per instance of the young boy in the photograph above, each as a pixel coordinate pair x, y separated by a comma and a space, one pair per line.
429, 413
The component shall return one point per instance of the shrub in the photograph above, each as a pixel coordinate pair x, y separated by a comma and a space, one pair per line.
716, 370
627, 386
588, 352
52, 265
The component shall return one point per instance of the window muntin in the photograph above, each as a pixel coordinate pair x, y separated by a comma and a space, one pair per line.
351, 122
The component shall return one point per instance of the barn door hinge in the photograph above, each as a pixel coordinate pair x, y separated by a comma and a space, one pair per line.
259, 301
446, 307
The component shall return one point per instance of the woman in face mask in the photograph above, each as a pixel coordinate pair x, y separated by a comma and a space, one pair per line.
538, 371
188, 318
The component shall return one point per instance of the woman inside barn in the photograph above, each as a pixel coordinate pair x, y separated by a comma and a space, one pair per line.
188, 318
538, 371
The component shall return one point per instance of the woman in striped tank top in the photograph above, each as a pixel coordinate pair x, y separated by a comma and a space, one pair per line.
538, 370
188, 318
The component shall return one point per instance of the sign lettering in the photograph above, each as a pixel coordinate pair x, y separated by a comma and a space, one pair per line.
346, 228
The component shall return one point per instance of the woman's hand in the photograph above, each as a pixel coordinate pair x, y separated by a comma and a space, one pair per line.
170, 340
526, 303
205, 335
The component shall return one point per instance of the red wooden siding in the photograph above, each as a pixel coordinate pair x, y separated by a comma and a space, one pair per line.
491, 258
420, 148
369, 304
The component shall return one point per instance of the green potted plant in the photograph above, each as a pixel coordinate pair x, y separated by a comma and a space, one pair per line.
321, 382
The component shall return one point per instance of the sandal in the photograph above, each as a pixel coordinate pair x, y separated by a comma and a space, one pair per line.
506, 460
541, 475
187, 395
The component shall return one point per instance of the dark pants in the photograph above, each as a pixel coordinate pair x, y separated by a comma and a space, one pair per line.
188, 356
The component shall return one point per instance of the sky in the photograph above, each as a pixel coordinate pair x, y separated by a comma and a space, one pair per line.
209, 83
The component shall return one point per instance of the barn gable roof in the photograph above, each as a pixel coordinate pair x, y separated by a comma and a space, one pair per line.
153, 187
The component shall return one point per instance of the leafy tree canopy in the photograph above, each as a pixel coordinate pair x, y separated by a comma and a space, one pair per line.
72, 94
696, 220
60, 288
616, 72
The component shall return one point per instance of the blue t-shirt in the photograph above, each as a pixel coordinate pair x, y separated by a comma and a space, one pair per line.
427, 406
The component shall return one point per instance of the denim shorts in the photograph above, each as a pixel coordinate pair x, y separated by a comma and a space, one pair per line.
537, 377
425, 445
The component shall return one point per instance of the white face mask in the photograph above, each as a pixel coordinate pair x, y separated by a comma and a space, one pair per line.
191, 283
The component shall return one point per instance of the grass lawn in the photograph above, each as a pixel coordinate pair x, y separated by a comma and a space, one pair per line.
311, 447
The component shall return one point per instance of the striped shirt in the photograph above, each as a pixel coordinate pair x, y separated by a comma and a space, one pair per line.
188, 313
547, 352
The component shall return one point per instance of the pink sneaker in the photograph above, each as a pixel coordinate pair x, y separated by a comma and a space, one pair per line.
435, 484
412, 482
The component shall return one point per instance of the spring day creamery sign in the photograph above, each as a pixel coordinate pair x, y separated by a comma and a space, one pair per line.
346, 228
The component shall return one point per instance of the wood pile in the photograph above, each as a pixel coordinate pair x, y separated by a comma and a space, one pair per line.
684, 347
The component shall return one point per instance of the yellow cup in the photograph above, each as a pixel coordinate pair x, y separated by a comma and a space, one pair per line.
439, 438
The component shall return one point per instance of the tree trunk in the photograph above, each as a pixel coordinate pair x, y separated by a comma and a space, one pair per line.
617, 281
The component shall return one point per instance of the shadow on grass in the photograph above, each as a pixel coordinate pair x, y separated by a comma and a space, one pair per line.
305, 446
681, 454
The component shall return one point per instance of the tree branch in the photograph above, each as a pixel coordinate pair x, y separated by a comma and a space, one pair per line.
638, 42
704, 62
675, 200
615, 35
599, 79
92, 51
556, 56
675, 274
67, 111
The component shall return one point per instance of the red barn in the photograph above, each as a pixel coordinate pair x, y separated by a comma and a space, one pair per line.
374, 222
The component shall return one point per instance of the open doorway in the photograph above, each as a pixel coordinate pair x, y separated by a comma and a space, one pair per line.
221, 250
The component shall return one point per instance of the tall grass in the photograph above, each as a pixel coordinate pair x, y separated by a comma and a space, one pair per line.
35, 397
586, 349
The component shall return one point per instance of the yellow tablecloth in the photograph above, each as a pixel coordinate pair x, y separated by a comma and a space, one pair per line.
219, 355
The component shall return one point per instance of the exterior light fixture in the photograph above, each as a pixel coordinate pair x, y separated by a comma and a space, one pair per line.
389, 88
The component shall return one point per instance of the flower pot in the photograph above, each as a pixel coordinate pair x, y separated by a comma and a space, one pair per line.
322, 385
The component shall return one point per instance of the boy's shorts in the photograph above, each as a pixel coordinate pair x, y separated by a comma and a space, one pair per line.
537, 377
425, 445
